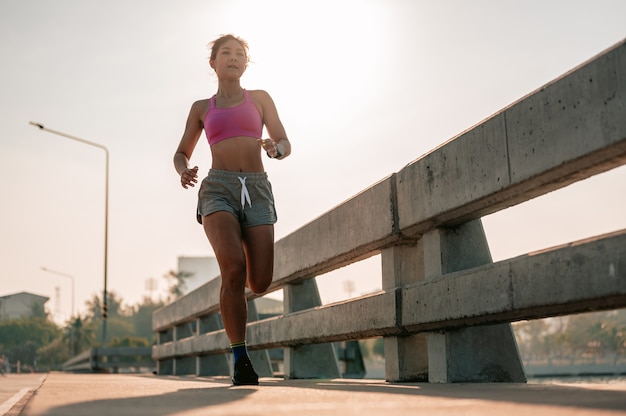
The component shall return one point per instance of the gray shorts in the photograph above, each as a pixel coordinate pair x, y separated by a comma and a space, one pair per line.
246, 195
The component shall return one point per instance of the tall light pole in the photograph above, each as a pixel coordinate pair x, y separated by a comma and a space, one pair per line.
106, 219
66, 275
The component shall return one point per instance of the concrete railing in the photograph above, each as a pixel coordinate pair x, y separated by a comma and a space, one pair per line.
113, 359
445, 308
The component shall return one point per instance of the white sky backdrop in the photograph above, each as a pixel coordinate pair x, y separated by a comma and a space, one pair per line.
363, 87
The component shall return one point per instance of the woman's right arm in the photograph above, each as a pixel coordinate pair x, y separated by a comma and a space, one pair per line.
193, 130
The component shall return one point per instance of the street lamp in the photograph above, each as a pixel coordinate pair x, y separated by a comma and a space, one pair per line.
106, 218
66, 275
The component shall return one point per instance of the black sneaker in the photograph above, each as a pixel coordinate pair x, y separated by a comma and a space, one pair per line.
244, 374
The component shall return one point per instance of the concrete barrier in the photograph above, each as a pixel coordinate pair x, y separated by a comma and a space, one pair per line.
112, 360
445, 308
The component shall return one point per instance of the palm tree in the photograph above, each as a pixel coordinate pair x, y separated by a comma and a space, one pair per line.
78, 335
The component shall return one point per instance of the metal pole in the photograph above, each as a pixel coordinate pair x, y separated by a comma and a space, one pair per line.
106, 219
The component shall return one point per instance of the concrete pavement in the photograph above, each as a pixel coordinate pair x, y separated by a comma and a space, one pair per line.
62, 394
15, 390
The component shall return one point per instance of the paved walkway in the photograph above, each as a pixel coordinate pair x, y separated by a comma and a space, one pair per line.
60, 394
15, 391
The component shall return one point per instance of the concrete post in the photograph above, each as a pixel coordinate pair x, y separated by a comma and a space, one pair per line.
307, 361
260, 358
406, 358
213, 364
476, 354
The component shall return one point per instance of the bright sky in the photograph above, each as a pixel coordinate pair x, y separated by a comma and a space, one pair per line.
363, 88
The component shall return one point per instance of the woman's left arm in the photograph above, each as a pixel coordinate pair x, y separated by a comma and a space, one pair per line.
274, 126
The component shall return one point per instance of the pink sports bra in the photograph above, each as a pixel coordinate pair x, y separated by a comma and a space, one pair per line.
241, 120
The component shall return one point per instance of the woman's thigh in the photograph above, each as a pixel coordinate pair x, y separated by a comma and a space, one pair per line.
224, 233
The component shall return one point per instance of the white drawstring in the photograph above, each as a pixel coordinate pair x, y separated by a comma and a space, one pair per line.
245, 196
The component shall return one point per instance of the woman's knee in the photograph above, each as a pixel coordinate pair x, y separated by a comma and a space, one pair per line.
233, 276
259, 284
232, 287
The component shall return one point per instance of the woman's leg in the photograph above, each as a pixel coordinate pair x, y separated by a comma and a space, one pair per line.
224, 234
258, 244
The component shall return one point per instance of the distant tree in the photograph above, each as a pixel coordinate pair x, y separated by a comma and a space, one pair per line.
78, 335
38, 310
618, 330
142, 318
585, 335
531, 338
117, 326
372, 347
379, 347
129, 342
132, 342
118, 317
598, 334
51, 356
114, 306
21, 338
177, 284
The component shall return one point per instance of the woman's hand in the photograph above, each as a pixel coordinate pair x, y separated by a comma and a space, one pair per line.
269, 146
189, 177
273, 148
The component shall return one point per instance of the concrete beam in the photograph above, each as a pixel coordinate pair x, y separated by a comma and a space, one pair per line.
577, 277
568, 130
356, 229
359, 318
366, 317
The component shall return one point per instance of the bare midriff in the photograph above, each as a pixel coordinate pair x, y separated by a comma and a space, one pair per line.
237, 154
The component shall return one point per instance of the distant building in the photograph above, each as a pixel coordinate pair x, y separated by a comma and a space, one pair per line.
20, 305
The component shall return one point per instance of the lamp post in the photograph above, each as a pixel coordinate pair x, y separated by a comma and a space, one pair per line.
66, 275
106, 218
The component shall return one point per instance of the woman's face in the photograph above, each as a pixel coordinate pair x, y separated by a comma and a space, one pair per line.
230, 61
